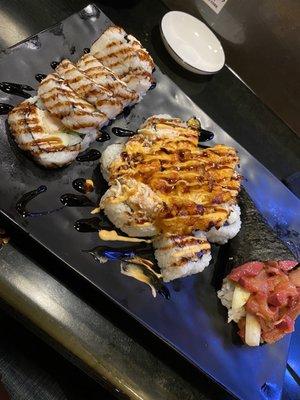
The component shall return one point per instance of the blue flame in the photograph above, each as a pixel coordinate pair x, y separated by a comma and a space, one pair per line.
117, 254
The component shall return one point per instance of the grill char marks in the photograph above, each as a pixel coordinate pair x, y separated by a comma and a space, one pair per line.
180, 256
99, 96
196, 185
183, 248
19, 127
75, 113
126, 57
30, 128
81, 98
103, 76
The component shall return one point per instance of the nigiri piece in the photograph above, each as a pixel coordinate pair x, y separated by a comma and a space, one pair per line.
75, 113
44, 136
100, 97
126, 57
103, 76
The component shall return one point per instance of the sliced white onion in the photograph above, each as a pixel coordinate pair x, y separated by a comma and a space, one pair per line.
240, 297
252, 330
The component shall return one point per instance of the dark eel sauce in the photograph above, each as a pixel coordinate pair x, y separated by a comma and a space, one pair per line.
83, 185
54, 64
22, 203
121, 132
40, 77
16, 89
89, 155
88, 224
76, 200
5, 108
104, 137
127, 111
205, 136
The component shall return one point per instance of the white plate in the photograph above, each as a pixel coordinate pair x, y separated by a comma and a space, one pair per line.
191, 43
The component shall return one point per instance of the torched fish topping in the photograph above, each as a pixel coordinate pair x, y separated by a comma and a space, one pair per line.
125, 56
196, 185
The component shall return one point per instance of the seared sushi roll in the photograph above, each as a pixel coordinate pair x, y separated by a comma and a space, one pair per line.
75, 113
179, 256
161, 126
100, 97
227, 231
262, 291
126, 57
42, 135
132, 207
103, 76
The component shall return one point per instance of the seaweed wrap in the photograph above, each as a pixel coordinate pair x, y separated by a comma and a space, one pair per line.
262, 291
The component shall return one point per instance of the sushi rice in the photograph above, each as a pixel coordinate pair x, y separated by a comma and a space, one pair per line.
180, 256
229, 230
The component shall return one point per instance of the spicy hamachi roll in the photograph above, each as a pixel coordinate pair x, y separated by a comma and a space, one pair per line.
262, 291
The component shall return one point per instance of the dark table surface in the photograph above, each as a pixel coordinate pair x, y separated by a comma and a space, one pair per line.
60, 308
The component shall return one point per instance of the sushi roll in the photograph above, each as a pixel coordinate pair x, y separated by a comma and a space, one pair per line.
132, 207
36, 131
262, 291
98, 73
198, 187
78, 99
100, 97
228, 230
126, 57
75, 113
181, 255
161, 126
190, 189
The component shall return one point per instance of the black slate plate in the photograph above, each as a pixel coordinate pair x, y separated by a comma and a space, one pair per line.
192, 321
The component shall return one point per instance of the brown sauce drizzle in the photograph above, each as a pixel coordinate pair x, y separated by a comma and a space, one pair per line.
16, 89
121, 132
89, 155
40, 77
22, 203
5, 108
76, 200
83, 185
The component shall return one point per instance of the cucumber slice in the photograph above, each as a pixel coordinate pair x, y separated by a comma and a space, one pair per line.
68, 138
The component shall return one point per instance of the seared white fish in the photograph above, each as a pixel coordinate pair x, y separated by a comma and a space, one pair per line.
43, 135
75, 113
100, 97
126, 57
102, 75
